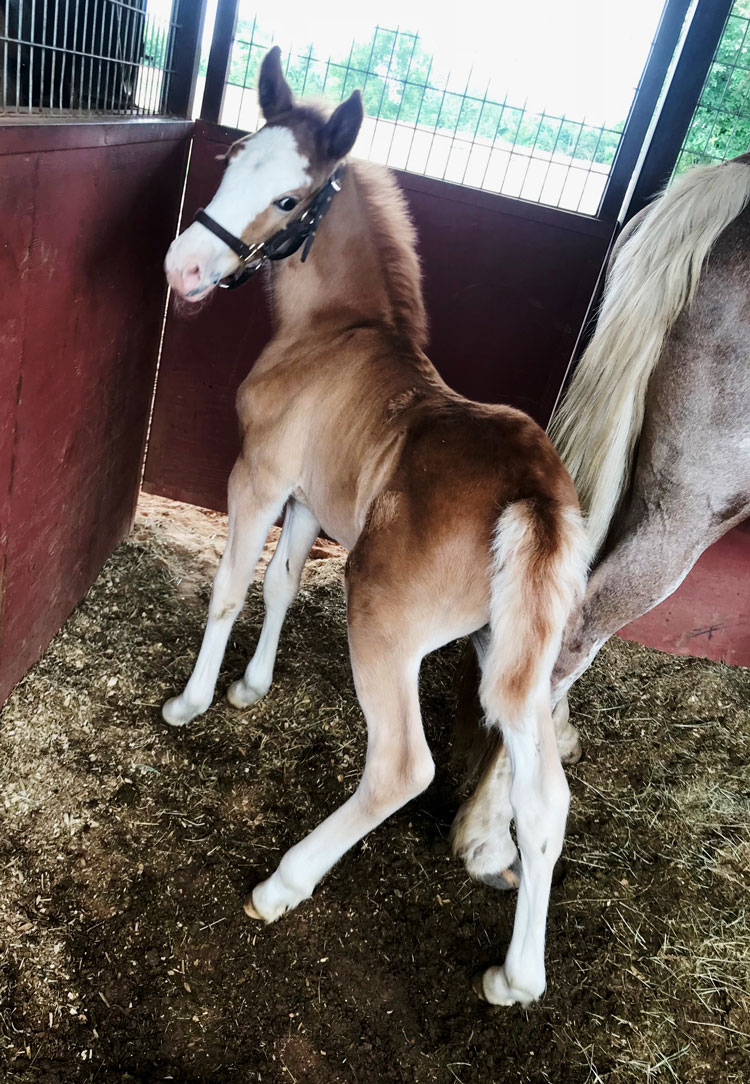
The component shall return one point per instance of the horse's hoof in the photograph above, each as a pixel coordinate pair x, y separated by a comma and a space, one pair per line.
497, 990
477, 983
250, 910
177, 712
507, 880
268, 905
572, 756
241, 695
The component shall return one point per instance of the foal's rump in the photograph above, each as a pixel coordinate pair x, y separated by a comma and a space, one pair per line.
478, 525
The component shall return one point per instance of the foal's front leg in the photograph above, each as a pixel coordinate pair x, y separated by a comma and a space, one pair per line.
253, 507
280, 587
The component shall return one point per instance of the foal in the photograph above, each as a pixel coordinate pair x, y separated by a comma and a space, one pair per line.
457, 515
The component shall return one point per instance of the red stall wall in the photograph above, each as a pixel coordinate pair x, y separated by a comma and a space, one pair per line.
88, 210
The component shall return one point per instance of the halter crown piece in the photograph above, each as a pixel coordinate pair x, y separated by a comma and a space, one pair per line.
300, 231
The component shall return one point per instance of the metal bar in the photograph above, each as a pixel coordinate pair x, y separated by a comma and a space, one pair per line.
32, 54
43, 51
383, 90
643, 106
5, 69
82, 73
63, 52
590, 170
404, 88
53, 58
679, 103
186, 57
719, 108
100, 65
218, 59
108, 62
169, 57
250, 47
19, 55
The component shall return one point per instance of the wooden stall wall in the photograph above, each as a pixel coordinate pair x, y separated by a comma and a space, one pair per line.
88, 211
507, 285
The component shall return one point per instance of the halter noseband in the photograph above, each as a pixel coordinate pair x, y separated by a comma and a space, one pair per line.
287, 241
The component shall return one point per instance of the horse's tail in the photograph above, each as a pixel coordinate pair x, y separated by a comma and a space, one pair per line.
653, 277
539, 564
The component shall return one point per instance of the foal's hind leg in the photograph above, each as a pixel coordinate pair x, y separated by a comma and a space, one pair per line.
252, 510
539, 799
280, 587
398, 767
481, 829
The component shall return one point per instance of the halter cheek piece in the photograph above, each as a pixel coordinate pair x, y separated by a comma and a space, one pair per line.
287, 241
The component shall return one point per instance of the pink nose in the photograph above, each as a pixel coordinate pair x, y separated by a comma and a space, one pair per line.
185, 282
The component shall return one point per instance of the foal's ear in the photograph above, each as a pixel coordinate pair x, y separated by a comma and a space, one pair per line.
274, 93
339, 134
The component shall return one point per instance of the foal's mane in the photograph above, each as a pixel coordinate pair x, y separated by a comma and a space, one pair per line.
395, 239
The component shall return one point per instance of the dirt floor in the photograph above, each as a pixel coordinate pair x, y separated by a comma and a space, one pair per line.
128, 847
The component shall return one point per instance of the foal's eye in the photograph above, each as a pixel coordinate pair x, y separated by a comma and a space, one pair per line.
286, 203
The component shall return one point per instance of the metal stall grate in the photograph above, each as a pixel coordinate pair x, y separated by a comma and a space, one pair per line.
720, 127
86, 57
437, 116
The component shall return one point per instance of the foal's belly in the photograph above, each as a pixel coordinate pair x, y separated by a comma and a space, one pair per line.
338, 524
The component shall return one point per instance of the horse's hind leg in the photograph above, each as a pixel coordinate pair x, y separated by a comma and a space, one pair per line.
650, 558
280, 587
397, 768
539, 801
252, 510
481, 829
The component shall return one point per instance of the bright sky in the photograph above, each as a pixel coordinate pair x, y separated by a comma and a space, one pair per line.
582, 58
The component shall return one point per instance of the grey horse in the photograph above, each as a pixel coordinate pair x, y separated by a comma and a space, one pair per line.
655, 431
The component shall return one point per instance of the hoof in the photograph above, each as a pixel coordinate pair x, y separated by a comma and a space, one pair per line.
572, 756
250, 911
497, 990
177, 712
477, 984
507, 880
269, 900
241, 695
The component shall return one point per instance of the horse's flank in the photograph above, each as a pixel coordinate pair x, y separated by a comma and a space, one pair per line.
653, 276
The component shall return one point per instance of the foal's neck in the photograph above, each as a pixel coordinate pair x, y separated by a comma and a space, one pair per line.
362, 267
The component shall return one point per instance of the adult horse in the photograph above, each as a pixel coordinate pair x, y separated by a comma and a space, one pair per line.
654, 429
457, 515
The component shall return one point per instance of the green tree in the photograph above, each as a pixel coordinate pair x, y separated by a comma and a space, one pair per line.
400, 81
720, 127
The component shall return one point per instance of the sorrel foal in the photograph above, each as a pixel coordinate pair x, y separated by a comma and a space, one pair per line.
457, 515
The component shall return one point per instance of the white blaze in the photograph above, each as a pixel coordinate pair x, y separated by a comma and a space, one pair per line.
266, 167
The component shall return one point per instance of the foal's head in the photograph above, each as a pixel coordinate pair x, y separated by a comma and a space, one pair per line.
270, 178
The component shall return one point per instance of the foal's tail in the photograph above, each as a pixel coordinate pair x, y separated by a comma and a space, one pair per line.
653, 277
539, 564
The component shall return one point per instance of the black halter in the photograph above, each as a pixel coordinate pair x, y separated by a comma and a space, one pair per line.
301, 231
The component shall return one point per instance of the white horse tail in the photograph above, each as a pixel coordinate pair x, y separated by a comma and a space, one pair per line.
653, 277
540, 561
